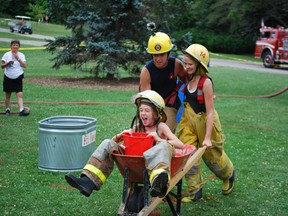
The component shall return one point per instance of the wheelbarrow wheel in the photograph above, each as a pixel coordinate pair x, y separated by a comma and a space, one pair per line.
135, 202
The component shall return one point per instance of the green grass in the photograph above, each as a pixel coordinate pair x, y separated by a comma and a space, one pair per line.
49, 29
5, 46
44, 29
18, 36
247, 58
256, 131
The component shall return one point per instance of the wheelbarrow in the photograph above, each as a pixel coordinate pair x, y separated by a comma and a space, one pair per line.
135, 197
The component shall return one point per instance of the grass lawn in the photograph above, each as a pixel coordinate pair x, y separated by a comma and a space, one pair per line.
256, 131
47, 29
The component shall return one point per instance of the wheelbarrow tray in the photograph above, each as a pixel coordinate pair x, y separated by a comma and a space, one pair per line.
136, 164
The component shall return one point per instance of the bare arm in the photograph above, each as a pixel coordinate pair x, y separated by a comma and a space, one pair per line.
22, 63
4, 64
166, 135
209, 104
145, 80
180, 71
119, 137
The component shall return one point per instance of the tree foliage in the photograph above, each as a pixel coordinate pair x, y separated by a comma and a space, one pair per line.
226, 25
107, 35
11, 8
37, 11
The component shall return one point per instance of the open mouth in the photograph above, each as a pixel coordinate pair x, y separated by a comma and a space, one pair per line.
144, 120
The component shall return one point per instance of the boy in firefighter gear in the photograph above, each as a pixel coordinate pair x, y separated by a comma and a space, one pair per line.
150, 118
161, 73
200, 125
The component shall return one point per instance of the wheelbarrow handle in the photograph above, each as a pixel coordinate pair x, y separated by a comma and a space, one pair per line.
190, 162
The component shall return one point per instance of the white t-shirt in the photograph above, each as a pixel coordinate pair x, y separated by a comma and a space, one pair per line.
14, 70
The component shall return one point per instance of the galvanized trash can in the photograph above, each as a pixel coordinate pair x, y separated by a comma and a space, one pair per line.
66, 143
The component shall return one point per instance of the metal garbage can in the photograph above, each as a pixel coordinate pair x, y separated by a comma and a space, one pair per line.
66, 143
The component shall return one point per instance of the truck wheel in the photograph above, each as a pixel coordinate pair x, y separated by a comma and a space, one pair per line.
12, 30
268, 59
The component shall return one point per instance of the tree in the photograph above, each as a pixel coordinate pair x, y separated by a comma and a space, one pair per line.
14, 7
37, 10
230, 26
32, 8
59, 10
108, 35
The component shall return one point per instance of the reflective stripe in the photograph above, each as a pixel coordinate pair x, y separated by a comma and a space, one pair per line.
156, 173
96, 171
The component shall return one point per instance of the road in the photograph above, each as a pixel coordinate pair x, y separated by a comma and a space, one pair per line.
247, 66
27, 42
214, 62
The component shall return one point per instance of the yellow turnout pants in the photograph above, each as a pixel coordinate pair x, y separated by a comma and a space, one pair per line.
192, 130
171, 113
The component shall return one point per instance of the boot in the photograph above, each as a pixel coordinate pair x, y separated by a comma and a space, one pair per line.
83, 184
160, 185
228, 185
193, 197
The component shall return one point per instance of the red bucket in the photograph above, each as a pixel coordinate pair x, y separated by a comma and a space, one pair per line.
136, 143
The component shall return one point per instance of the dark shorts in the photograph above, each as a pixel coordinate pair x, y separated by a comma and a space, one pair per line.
13, 85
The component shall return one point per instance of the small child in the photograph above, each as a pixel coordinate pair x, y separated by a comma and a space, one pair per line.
151, 116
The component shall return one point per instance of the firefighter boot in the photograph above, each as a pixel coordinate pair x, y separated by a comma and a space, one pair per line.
83, 184
193, 197
159, 185
228, 185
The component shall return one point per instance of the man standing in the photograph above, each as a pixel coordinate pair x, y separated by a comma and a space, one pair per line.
160, 74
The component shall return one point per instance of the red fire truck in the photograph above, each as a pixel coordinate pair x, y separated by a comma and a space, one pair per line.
272, 46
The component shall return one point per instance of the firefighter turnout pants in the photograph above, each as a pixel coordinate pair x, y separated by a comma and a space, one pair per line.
171, 113
100, 165
192, 129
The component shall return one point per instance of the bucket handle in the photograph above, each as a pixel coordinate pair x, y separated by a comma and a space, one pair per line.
140, 140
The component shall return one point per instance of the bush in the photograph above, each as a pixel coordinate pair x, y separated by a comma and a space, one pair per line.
221, 43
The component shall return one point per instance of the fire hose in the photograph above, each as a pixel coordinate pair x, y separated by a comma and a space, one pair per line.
125, 103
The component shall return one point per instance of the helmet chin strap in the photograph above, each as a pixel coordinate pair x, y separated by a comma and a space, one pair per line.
134, 121
157, 121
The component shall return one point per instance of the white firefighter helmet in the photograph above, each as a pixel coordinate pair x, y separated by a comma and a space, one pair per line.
150, 96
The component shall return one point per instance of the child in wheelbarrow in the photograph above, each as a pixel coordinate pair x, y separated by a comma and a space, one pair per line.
200, 125
151, 117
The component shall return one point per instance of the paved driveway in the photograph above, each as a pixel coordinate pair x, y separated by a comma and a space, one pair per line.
248, 66
27, 42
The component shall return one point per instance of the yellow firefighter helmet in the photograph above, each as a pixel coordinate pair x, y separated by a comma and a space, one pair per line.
150, 96
159, 43
201, 55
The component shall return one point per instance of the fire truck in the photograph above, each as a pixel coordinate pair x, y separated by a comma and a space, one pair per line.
272, 46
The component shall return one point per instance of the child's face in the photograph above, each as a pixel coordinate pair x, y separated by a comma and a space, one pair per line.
190, 65
147, 115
